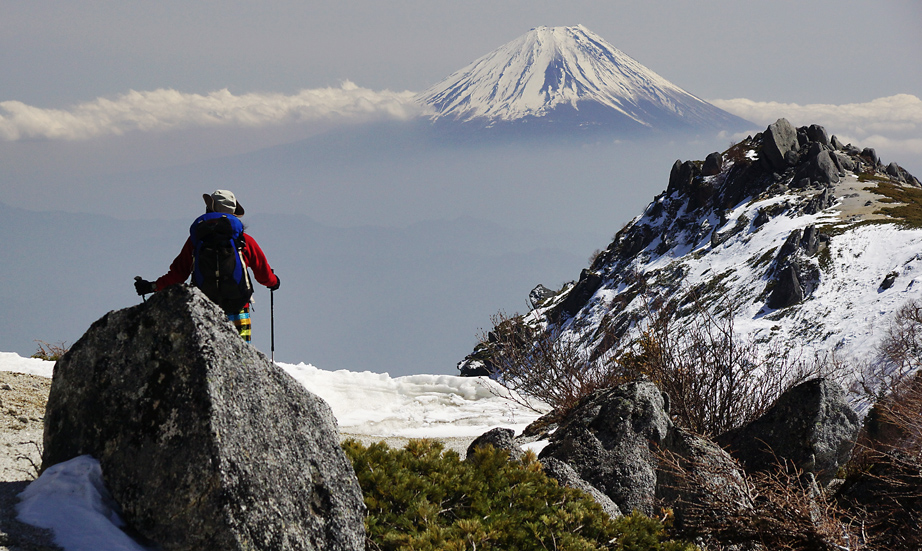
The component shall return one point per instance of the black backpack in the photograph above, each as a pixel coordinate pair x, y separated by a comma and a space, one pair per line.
218, 267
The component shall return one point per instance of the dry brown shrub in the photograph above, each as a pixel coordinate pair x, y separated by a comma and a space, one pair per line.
716, 379
50, 352
543, 364
885, 480
778, 509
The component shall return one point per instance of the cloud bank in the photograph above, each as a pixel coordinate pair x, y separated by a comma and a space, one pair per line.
164, 109
893, 123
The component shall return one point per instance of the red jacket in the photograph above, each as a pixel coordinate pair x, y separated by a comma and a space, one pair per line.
181, 268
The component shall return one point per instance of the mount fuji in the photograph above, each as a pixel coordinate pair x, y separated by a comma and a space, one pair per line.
568, 78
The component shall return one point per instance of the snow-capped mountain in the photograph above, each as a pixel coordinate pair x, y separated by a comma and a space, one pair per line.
568, 77
811, 244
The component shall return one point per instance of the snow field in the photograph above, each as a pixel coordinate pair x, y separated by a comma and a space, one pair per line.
71, 499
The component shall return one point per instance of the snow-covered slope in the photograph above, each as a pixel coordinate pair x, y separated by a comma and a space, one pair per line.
805, 242
568, 76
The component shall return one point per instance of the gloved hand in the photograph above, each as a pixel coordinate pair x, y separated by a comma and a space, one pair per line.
277, 283
144, 287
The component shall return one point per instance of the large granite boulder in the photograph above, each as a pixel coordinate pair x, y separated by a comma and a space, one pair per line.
824, 168
811, 426
778, 140
610, 439
203, 442
623, 443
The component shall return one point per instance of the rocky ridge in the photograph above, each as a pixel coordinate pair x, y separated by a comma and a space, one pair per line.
811, 242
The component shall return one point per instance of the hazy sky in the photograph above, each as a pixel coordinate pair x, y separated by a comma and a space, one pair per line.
83, 69
815, 51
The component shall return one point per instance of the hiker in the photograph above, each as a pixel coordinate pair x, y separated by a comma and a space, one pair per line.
217, 255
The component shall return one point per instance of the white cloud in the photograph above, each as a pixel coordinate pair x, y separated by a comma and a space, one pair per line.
892, 123
163, 109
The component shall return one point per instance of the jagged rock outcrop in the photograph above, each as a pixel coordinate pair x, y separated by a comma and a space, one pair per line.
779, 140
787, 290
203, 442
708, 245
811, 426
589, 282
538, 295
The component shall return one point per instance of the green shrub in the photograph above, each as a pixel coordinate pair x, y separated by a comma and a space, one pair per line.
421, 498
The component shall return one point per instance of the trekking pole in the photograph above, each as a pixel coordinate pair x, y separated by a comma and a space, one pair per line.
272, 324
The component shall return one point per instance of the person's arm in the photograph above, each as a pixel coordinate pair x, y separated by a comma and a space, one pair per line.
256, 260
180, 269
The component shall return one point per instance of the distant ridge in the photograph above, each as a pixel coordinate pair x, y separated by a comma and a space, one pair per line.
568, 78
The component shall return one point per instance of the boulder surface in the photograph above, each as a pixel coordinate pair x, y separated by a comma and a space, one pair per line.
203, 442
811, 425
610, 440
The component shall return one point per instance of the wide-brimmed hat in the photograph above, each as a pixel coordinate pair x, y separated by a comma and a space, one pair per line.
223, 201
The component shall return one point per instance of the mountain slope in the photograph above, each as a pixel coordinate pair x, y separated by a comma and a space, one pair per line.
568, 77
811, 244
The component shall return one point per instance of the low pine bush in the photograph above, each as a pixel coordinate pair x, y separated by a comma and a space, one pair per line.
424, 498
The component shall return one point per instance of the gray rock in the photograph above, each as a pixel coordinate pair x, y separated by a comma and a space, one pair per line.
499, 438
811, 425
888, 281
871, 155
713, 164
566, 476
821, 201
577, 297
609, 439
718, 238
813, 241
681, 177
846, 162
836, 144
539, 294
786, 291
616, 439
817, 133
710, 475
896, 172
824, 168
777, 141
790, 246
203, 442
